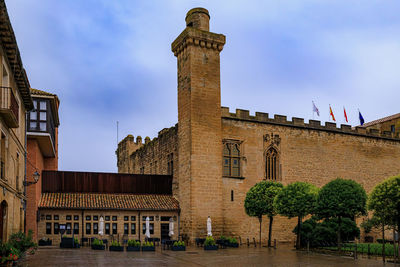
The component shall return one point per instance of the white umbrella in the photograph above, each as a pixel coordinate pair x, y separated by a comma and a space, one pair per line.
101, 226
171, 227
209, 226
147, 234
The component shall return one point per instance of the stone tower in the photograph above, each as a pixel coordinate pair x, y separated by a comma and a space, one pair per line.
199, 132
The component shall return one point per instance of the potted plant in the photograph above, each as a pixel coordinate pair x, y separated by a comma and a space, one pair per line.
148, 246
209, 244
179, 246
98, 244
133, 245
76, 243
116, 246
233, 243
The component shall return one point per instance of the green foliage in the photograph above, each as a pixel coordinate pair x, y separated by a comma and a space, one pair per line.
133, 243
148, 244
374, 248
296, 199
370, 223
179, 244
209, 241
233, 240
384, 201
115, 244
341, 198
260, 199
97, 242
318, 233
22, 242
76, 240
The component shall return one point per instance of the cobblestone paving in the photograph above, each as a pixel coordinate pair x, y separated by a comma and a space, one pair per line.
283, 256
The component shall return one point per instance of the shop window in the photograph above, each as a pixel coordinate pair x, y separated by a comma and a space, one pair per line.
56, 228
107, 226
48, 228
95, 228
114, 229
76, 228
68, 226
133, 228
151, 228
88, 228
126, 228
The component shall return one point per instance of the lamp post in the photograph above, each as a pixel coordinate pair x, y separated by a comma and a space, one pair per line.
36, 177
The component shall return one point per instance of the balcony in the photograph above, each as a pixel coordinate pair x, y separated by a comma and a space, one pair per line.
9, 108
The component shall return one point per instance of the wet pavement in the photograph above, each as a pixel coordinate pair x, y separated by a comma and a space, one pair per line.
283, 256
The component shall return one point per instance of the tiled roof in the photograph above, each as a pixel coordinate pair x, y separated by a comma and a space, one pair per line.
388, 118
108, 201
40, 92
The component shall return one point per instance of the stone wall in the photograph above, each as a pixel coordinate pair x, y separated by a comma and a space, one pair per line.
314, 154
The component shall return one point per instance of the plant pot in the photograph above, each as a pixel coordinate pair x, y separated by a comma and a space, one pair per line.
233, 245
178, 248
211, 247
128, 248
98, 247
148, 248
116, 248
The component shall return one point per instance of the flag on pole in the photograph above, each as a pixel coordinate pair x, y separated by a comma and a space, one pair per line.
315, 109
331, 113
345, 114
360, 117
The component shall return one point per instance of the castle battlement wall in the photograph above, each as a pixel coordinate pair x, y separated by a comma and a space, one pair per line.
261, 117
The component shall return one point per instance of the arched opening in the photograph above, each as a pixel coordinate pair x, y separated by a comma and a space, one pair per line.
3, 220
272, 165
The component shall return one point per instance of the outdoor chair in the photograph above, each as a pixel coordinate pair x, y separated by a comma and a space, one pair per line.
84, 240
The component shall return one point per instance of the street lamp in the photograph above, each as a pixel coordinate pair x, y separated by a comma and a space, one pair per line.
36, 177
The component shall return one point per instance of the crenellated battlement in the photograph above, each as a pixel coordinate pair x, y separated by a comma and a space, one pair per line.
261, 117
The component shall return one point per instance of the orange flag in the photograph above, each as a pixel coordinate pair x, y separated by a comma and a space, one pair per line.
345, 114
331, 113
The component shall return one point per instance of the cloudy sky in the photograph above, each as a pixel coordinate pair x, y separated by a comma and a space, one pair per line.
111, 61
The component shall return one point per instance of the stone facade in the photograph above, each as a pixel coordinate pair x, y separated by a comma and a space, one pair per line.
82, 218
308, 152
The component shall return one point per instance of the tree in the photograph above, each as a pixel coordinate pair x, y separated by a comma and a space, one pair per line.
384, 201
296, 200
259, 201
339, 199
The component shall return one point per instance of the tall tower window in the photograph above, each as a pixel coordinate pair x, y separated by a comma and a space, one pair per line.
272, 165
231, 160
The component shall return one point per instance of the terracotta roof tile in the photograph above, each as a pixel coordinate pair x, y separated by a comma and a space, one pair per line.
108, 201
40, 92
388, 118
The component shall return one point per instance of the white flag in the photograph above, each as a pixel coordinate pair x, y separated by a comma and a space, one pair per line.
315, 109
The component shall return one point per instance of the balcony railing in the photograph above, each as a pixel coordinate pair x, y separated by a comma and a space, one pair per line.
9, 108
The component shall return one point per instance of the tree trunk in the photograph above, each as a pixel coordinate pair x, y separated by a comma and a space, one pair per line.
298, 232
271, 219
260, 219
339, 237
394, 244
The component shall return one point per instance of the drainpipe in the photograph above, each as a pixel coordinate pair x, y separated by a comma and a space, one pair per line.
25, 179
139, 227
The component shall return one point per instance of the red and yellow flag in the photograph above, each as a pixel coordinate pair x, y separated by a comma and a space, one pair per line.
331, 113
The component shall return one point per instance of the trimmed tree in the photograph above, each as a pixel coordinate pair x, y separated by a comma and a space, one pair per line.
296, 200
259, 201
384, 201
339, 199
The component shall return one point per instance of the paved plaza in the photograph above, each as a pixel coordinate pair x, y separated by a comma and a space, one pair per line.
283, 256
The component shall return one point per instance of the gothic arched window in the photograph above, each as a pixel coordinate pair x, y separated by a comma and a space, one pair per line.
272, 165
231, 160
